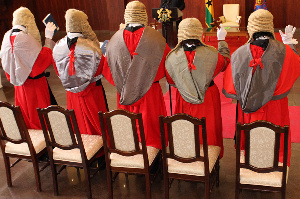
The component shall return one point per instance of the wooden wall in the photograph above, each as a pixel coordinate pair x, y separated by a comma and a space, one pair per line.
108, 14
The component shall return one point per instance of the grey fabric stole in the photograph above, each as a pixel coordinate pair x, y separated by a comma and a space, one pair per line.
87, 59
134, 77
192, 85
255, 91
18, 60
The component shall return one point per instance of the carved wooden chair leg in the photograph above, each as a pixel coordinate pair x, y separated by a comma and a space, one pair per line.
54, 178
8, 172
37, 174
88, 182
109, 183
148, 185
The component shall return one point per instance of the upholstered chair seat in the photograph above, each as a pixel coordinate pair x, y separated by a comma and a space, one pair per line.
66, 146
16, 141
195, 168
91, 144
257, 161
135, 161
231, 24
185, 158
38, 142
272, 179
126, 150
231, 16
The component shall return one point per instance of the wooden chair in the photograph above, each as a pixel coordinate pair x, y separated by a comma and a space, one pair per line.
258, 167
66, 146
187, 159
231, 16
123, 152
17, 141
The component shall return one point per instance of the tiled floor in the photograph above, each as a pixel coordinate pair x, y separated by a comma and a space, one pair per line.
71, 183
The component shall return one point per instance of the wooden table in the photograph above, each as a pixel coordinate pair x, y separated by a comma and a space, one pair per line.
231, 32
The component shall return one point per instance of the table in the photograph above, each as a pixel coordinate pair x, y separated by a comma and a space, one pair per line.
231, 32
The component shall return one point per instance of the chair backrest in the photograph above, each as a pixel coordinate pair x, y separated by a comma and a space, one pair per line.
60, 127
262, 144
184, 140
121, 127
12, 124
231, 11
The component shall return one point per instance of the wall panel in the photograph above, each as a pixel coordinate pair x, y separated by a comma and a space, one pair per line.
115, 13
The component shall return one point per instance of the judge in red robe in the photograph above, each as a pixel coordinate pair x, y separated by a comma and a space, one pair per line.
269, 69
24, 61
134, 64
79, 63
191, 67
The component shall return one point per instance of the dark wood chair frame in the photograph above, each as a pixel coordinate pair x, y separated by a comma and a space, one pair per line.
109, 147
278, 132
51, 143
25, 137
209, 179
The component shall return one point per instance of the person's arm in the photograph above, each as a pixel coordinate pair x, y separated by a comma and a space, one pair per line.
55, 68
100, 67
293, 47
43, 61
228, 86
107, 73
287, 37
161, 69
222, 64
289, 73
223, 51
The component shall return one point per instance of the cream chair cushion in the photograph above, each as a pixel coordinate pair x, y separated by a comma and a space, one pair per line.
183, 138
122, 133
231, 24
231, 11
91, 143
38, 142
273, 179
195, 168
262, 143
135, 161
9, 123
60, 128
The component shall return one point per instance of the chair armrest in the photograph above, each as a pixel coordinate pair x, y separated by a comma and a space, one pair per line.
238, 20
222, 18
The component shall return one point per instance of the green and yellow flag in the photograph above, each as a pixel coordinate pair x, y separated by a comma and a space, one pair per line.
209, 12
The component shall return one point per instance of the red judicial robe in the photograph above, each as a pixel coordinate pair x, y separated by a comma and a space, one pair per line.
152, 104
87, 103
34, 93
210, 108
275, 111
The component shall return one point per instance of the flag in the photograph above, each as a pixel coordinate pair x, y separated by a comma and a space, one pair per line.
209, 12
260, 4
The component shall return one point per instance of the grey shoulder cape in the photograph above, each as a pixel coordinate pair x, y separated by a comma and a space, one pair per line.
18, 60
87, 59
192, 85
254, 91
134, 77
